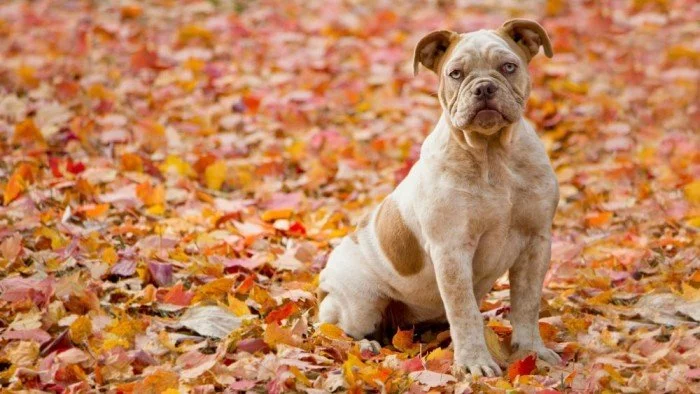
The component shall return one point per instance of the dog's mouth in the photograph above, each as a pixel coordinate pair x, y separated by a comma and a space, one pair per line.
487, 116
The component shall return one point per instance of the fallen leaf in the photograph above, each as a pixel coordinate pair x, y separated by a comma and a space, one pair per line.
211, 321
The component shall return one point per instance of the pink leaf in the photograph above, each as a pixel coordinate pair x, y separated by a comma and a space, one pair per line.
162, 273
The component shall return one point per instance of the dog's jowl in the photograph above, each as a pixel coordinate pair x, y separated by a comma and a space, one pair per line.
478, 203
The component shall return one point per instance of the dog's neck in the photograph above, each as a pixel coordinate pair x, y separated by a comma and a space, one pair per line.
463, 149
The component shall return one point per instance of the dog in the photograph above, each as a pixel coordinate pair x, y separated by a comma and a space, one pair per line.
479, 202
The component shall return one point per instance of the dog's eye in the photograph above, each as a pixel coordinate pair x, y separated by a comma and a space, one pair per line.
509, 68
456, 74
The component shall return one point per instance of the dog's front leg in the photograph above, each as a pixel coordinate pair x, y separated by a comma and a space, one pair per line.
453, 269
526, 278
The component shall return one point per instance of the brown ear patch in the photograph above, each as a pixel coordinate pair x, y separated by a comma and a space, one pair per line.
528, 35
397, 241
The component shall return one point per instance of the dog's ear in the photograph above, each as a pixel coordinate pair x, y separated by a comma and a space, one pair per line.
431, 48
528, 35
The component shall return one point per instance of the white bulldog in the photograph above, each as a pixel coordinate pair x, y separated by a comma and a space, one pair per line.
478, 203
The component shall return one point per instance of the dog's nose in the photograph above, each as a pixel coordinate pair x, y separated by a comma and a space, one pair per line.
485, 90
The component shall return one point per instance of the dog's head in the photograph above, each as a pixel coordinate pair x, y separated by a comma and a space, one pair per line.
484, 82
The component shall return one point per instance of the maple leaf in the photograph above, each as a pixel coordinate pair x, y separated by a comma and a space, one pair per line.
524, 366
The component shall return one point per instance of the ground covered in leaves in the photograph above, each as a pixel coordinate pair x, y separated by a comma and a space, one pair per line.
174, 174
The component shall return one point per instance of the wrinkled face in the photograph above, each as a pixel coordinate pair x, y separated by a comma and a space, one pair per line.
484, 84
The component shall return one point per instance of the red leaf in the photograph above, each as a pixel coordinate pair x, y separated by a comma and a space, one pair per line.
74, 167
297, 228
55, 169
412, 364
524, 366
178, 296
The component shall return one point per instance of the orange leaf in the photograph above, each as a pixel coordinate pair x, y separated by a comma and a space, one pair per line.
95, 211
281, 313
132, 162
158, 382
524, 366
598, 219
548, 332
403, 340
246, 285
131, 11
151, 195
178, 296
27, 132
15, 186
275, 335
274, 214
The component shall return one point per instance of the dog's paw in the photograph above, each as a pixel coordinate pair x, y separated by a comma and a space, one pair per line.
543, 353
548, 355
370, 348
476, 366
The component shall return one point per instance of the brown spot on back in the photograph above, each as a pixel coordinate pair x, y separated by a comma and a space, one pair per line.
320, 295
397, 241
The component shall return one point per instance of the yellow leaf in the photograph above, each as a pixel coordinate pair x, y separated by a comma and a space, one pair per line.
613, 373
175, 164
238, 307
694, 221
114, 341
692, 192
109, 255
690, 293
332, 331
80, 329
215, 175
99, 91
57, 241
349, 367
156, 210
195, 65
215, 289
439, 354
300, 376
190, 32
27, 75
274, 214
125, 329
160, 381
600, 299
495, 346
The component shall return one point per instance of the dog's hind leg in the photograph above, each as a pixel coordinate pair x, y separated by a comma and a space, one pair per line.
350, 298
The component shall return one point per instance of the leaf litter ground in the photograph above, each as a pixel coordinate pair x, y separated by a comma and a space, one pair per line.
174, 174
